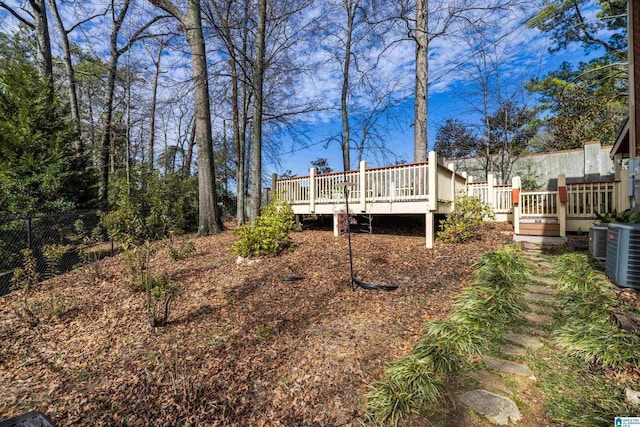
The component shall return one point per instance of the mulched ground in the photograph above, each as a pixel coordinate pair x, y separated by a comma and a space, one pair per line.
243, 346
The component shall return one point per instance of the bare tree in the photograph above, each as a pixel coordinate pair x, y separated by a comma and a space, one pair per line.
208, 219
427, 24
420, 104
258, 77
68, 64
154, 97
116, 52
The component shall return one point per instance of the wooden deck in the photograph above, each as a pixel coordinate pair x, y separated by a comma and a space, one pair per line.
430, 188
417, 188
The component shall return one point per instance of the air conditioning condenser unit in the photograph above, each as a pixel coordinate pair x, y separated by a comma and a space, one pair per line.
622, 265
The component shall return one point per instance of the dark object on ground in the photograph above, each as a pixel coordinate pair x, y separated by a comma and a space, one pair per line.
354, 282
370, 287
30, 419
293, 278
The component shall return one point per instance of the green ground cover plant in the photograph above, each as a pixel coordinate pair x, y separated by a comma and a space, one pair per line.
584, 382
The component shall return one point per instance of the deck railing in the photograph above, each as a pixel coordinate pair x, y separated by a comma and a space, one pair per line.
538, 203
497, 196
585, 199
575, 204
399, 183
293, 190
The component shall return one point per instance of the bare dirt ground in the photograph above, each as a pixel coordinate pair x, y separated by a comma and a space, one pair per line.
243, 347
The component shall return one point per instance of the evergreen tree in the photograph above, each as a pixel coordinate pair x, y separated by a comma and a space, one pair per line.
38, 172
586, 102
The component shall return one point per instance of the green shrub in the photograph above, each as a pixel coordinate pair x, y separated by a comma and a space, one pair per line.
25, 278
269, 234
53, 254
160, 294
182, 252
464, 221
628, 216
89, 239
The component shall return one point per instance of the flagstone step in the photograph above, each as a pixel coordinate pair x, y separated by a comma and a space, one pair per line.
489, 381
523, 340
498, 409
542, 309
534, 297
513, 350
507, 366
550, 281
538, 318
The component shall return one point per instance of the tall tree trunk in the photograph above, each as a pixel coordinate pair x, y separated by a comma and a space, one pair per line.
346, 139
43, 41
422, 80
154, 97
258, 75
103, 159
40, 26
485, 100
208, 219
244, 120
239, 145
189, 159
71, 76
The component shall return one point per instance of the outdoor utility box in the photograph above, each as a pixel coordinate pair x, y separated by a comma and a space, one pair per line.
598, 241
30, 419
623, 255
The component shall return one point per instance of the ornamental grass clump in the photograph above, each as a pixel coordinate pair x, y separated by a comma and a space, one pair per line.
409, 386
592, 332
601, 342
447, 345
505, 270
492, 302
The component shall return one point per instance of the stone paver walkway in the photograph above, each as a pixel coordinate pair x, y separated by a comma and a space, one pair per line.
540, 300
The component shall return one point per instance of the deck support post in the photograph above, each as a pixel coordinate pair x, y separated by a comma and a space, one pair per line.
363, 186
491, 194
432, 204
312, 190
515, 186
562, 204
433, 181
430, 229
623, 201
452, 168
336, 230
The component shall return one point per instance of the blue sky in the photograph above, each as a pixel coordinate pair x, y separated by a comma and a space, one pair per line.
522, 54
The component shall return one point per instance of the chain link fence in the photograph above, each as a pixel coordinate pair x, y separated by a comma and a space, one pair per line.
38, 233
